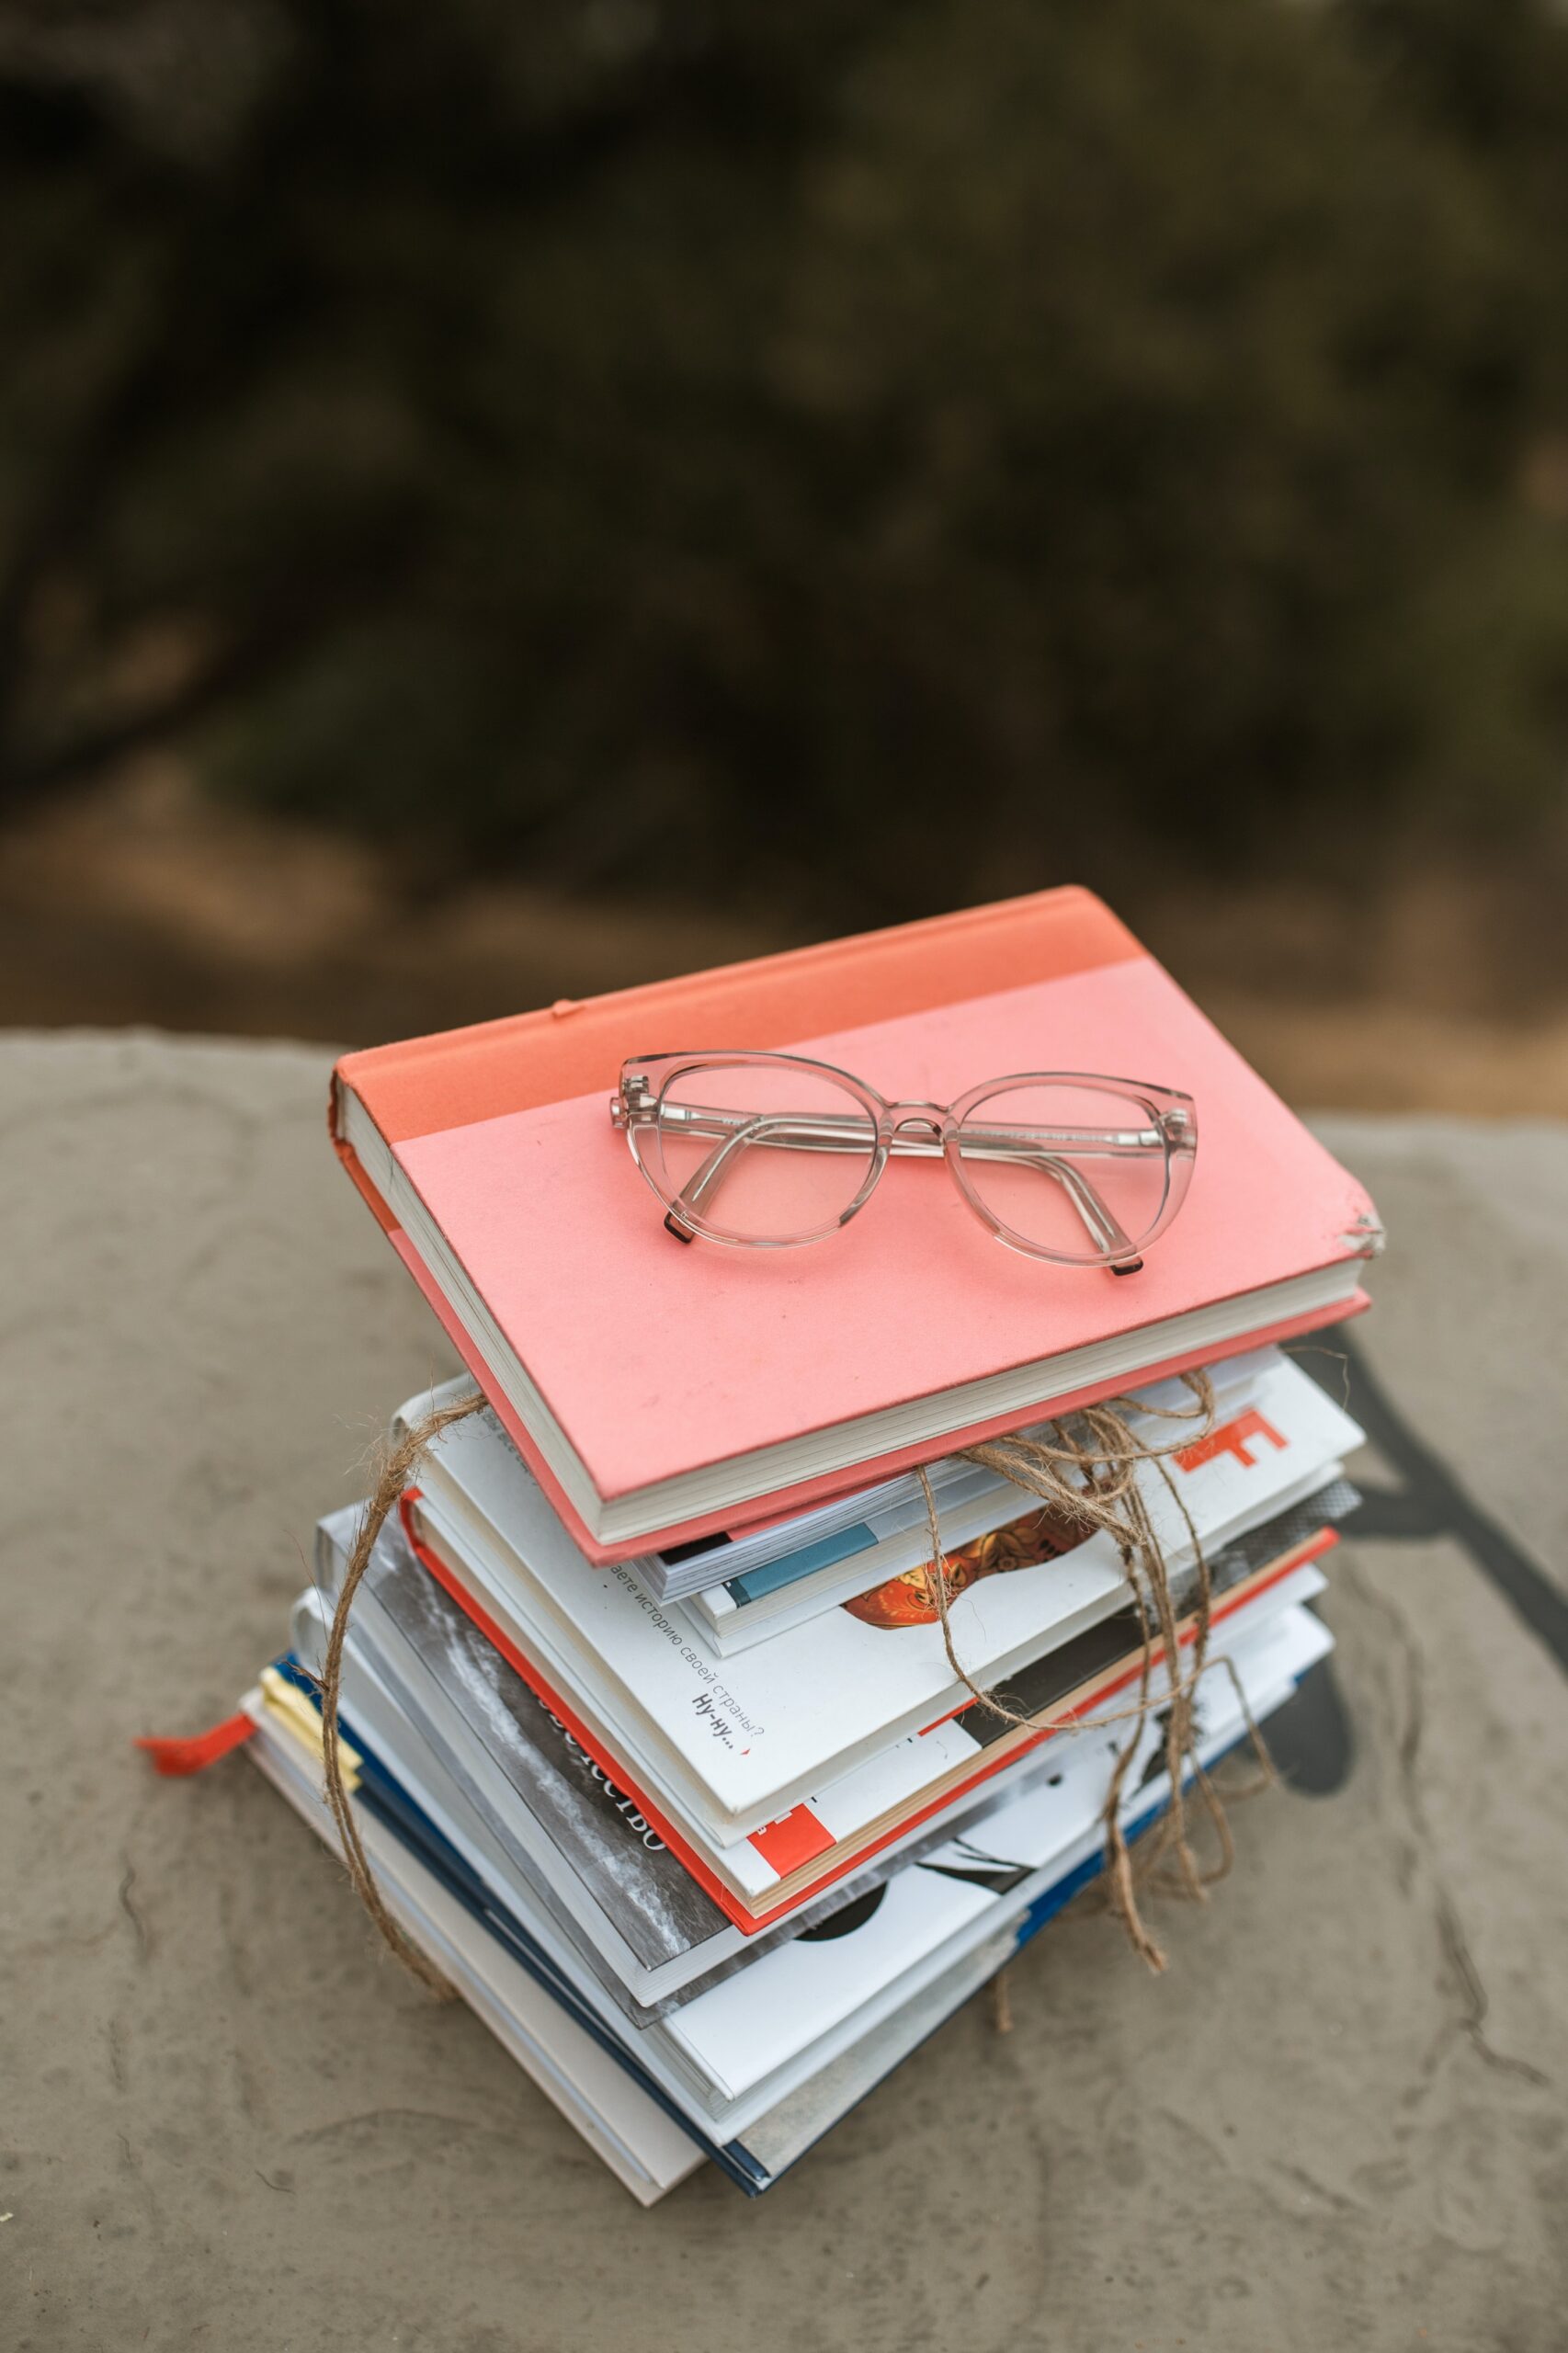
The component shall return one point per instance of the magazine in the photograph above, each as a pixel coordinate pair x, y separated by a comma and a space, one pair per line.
730, 1747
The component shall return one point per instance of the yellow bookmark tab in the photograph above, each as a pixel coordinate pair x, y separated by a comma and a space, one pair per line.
290, 1708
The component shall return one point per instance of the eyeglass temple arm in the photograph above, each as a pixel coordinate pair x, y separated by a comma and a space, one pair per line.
829, 1133
764, 1129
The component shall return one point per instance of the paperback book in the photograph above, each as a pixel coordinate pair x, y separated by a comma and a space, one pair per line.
727, 1751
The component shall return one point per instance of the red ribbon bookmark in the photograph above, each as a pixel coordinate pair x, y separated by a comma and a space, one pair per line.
203, 1748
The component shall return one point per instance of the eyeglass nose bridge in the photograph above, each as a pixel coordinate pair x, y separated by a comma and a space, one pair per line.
913, 1128
915, 1114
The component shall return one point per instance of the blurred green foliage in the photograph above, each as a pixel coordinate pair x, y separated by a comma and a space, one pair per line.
851, 456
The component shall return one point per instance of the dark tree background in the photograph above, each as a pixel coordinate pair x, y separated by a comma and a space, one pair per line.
850, 455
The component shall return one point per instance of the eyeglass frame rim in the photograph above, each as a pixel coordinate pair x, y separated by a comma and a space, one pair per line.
879, 1107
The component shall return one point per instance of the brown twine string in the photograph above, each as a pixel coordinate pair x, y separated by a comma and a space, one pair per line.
1087, 1469
394, 1471
1090, 1477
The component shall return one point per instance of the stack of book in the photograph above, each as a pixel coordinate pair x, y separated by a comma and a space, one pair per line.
651, 1731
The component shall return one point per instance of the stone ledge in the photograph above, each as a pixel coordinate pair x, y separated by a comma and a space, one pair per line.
229, 2123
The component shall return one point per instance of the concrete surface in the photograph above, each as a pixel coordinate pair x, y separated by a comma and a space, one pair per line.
226, 2123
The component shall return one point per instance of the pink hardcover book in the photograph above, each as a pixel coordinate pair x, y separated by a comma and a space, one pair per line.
662, 1391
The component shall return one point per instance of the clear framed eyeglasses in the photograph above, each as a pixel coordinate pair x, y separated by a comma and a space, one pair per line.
764, 1151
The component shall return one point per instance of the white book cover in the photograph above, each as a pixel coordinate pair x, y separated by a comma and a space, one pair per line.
887, 1796
735, 1743
443, 1706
